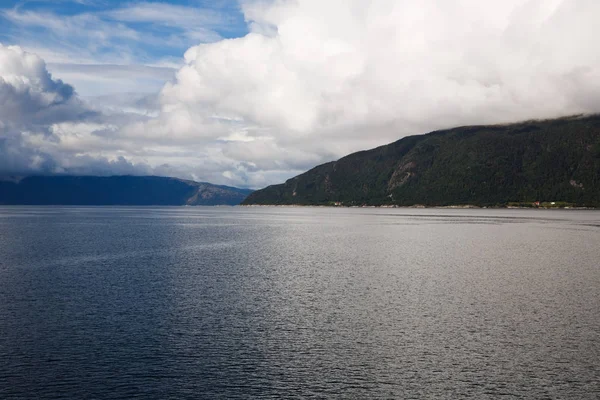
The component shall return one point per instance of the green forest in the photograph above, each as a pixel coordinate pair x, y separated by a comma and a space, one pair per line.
550, 161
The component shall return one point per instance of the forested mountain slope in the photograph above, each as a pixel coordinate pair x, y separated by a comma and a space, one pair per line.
550, 160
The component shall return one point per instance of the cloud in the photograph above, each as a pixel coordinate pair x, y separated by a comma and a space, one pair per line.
96, 78
345, 64
313, 81
35, 112
29, 95
320, 79
46, 128
198, 23
119, 45
86, 25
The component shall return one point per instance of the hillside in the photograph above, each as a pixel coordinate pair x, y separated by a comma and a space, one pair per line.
116, 190
551, 160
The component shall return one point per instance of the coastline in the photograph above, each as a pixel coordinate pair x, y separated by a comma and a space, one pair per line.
419, 206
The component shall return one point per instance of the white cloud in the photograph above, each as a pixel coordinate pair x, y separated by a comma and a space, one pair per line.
326, 78
165, 13
316, 80
341, 64
104, 79
88, 25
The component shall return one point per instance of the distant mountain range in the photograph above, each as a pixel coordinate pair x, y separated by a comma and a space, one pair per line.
552, 160
116, 190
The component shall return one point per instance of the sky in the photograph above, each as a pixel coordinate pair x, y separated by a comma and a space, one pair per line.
252, 92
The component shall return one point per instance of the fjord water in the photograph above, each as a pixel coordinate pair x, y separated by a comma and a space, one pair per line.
298, 302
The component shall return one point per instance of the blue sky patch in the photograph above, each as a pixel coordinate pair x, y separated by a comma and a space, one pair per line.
109, 30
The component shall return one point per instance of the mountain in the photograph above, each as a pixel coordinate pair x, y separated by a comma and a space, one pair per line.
552, 160
116, 190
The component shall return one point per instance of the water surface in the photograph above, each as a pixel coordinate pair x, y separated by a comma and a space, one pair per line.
298, 302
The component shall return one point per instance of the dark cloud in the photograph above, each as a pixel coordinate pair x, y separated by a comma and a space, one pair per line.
31, 106
19, 159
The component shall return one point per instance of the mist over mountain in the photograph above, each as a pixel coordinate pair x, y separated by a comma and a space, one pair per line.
552, 160
116, 190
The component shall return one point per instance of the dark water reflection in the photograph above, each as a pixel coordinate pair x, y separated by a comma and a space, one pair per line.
303, 302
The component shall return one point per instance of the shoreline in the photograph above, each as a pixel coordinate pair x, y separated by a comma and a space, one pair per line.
457, 207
